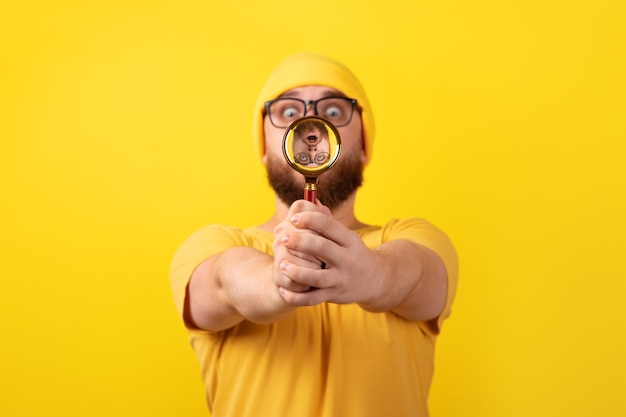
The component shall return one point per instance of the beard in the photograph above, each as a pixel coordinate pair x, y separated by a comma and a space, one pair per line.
334, 187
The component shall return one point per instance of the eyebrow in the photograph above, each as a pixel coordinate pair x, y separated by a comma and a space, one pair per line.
325, 93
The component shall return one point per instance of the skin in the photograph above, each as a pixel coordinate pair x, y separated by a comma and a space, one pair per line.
244, 284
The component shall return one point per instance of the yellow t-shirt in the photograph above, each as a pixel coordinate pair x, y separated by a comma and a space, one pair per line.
320, 361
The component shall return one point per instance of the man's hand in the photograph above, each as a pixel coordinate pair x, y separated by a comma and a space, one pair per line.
287, 254
318, 260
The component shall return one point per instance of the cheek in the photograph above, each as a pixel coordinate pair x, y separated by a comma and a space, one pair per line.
273, 137
352, 136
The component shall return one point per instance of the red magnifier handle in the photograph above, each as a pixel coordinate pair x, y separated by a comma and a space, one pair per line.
310, 192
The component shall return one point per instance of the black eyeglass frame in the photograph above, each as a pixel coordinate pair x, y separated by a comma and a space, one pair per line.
313, 160
307, 103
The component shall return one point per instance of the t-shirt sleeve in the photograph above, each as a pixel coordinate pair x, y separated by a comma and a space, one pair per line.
201, 245
424, 233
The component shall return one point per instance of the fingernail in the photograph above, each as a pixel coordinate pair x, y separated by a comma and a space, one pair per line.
294, 219
283, 266
285, 239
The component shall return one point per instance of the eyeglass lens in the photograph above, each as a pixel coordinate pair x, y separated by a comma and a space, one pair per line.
318, 158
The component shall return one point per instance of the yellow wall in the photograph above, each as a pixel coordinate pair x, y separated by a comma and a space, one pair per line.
500, 121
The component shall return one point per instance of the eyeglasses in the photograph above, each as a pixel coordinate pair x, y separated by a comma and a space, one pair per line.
318, 158
337, 110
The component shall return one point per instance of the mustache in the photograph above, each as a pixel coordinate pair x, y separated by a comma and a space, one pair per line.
334, 186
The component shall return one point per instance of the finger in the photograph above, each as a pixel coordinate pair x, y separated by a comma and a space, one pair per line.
302, 299
304, 261
313, 248
315, 277
300, 206
300, 259
283, 281
290, 243
321, 224
324, 210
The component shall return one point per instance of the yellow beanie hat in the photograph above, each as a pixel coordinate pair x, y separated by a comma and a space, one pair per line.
304, 69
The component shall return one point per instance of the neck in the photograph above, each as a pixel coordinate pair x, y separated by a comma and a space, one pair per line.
344, 214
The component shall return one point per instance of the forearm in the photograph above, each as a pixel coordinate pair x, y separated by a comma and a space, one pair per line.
409, 280
233, 286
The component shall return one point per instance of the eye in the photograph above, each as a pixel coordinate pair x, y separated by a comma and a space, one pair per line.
321, 157
302, 158
333, 112
290, 112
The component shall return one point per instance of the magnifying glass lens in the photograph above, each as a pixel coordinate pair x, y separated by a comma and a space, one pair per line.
311, 146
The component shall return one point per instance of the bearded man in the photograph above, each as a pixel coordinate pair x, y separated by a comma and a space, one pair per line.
315, 313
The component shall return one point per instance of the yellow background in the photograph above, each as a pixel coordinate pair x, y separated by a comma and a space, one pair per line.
125, 125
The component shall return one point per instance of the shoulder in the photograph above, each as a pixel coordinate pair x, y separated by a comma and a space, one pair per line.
224, 236
206, 242
417, 230
411, 228
422, 232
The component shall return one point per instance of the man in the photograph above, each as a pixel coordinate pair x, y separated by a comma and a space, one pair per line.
315, 313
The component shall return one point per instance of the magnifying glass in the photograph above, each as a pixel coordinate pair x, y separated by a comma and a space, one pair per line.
311, 146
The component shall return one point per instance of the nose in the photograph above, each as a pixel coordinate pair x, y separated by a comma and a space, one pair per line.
309, 107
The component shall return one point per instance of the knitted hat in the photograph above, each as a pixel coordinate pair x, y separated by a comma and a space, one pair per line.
305, 69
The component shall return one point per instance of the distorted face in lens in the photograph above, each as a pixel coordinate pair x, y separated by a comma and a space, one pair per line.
311, 146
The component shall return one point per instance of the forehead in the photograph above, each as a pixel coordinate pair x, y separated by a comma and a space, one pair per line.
312, 91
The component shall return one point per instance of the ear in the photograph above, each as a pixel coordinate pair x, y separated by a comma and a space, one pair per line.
264, 159
364, 157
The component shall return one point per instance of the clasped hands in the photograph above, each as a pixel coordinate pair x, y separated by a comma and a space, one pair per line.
317, 259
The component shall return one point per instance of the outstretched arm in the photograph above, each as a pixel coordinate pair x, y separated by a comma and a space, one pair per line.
233, 286
412, 281
239, 284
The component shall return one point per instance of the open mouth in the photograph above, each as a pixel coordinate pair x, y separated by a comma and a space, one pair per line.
312, 138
